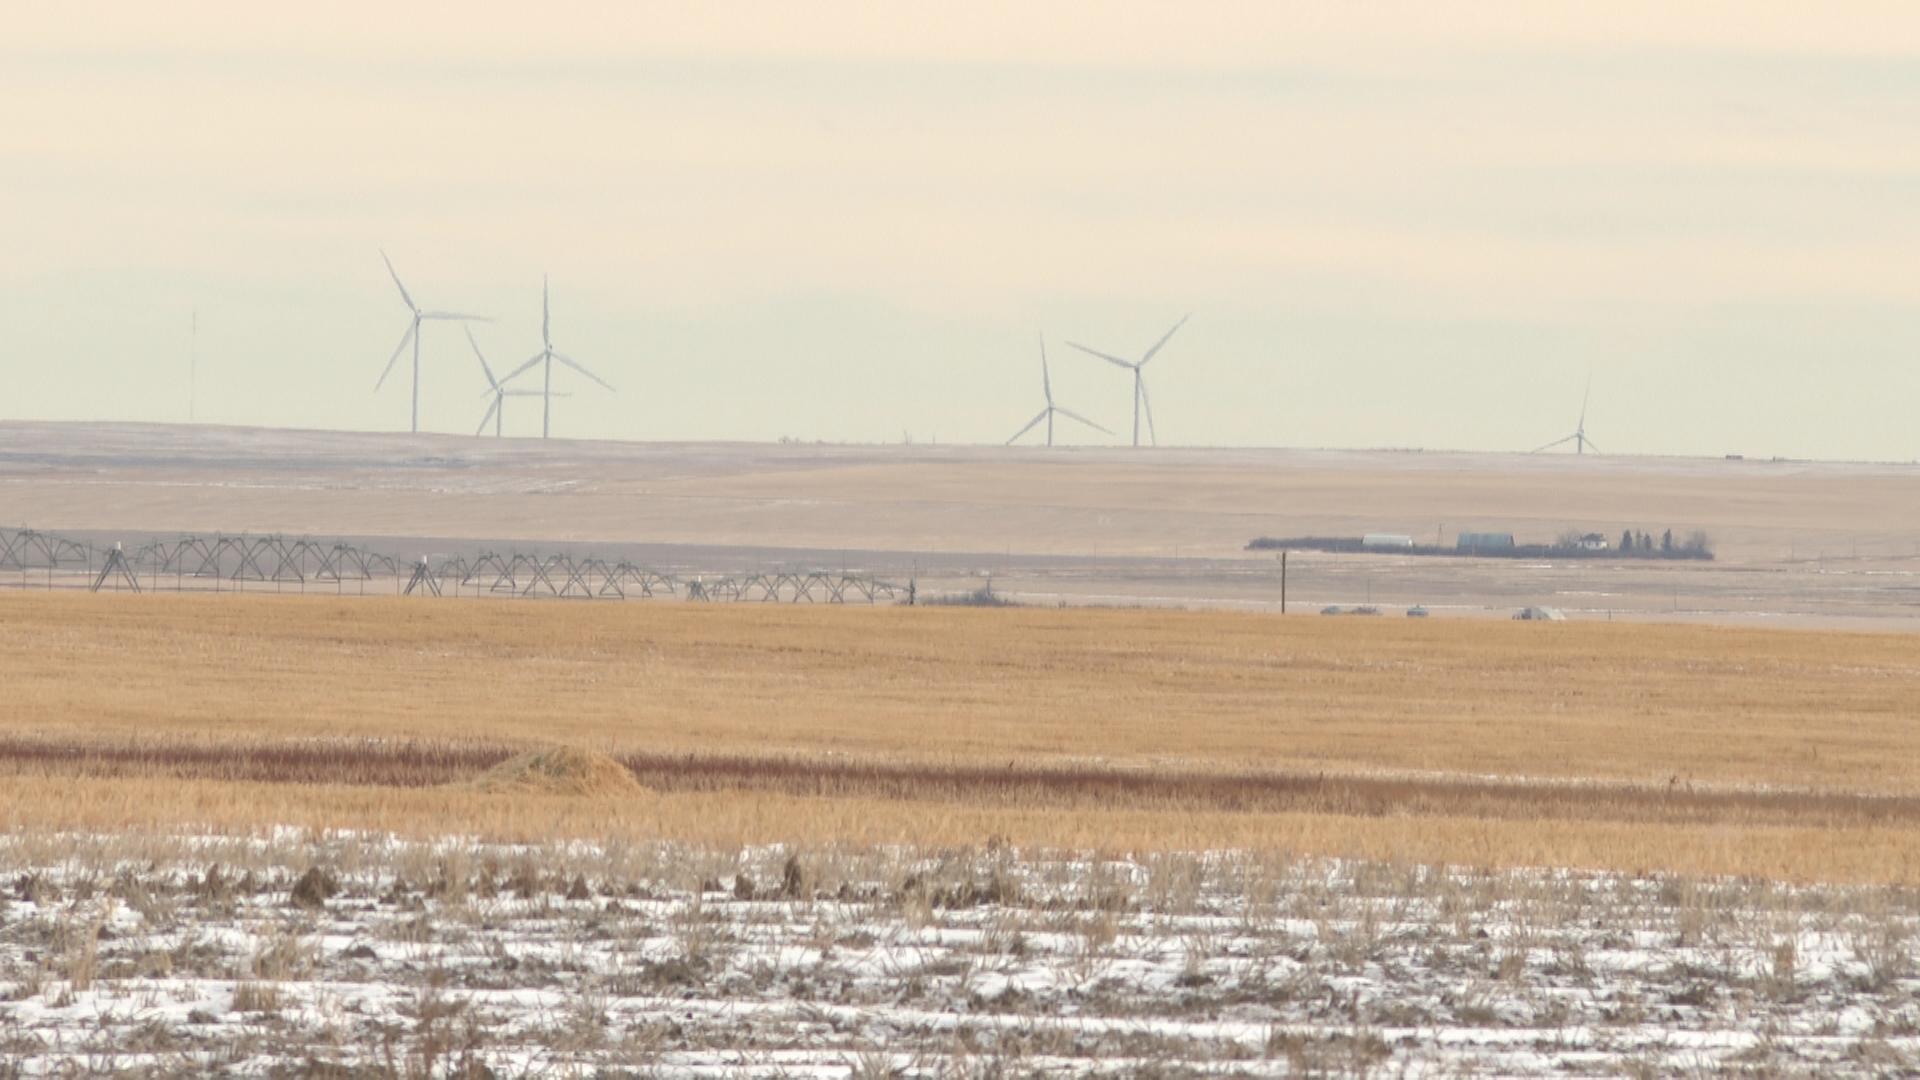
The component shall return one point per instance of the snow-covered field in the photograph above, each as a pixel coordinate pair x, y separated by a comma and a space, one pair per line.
330, 955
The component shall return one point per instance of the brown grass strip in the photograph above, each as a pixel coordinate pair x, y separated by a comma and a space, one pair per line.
405, 763
430, 763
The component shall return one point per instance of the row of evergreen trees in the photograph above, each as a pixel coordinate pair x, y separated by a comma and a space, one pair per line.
1632, 543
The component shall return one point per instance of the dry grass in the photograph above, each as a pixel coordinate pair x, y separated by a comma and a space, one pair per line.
1639, 703
1785, 853
1110, 729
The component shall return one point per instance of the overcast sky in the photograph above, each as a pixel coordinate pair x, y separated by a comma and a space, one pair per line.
1396, 225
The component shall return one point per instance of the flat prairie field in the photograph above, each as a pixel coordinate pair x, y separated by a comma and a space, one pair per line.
1803, 544
1792, 755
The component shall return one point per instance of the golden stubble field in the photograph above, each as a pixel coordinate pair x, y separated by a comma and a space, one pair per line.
1615, 732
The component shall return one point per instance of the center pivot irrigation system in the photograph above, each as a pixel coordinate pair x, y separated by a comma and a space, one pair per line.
255, 563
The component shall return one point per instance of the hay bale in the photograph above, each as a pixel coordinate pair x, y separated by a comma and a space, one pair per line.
559, 770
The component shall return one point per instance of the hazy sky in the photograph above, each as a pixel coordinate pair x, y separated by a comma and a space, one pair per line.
1397, 224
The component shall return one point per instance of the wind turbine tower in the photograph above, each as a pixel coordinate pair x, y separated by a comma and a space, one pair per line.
545, 357
413, 335
1140, 399
1046, 385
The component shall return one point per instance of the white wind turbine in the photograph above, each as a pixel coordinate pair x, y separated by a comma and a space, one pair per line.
496, 411
545, 357
1046, 385
1581, 444
413, 335
1140, 399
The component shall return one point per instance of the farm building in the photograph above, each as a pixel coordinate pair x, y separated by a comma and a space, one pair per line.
1475, 541
1386, 540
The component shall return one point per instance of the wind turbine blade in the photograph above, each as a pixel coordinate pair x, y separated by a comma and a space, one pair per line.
491, 381
1147, 400
454, 316
1164, 337
1584, 398
516, 372
491, 409
1128, 364
1551, 445
1046, 377
570, 362
405, 339
415, 308
1082, 419
1590, 447
1030, 426
536, 393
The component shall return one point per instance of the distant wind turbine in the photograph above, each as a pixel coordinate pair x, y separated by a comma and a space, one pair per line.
1046, 385
545, 357
1581, 444
496, 411
413, 335
1140, 399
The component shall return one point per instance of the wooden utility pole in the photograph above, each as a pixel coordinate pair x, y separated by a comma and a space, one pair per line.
1283, 583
